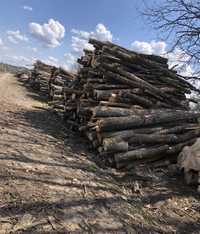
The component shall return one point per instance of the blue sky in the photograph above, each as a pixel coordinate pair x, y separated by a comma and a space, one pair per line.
56, 31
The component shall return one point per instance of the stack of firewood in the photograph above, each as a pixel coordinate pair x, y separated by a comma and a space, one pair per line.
50, 80
131, 106
59, 79
40, 76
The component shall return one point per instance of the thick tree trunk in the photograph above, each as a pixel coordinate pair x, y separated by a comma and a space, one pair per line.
123, 123
141, 153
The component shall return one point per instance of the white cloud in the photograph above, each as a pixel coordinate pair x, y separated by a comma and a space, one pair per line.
82, 34
102, 33
80, 41
27, 8
50, 34
34, 49
70, 58
16, 37
80, 38
1, 42
2, 45
78, 44
53, 59
17, 60
22, 59
152, 47
70, 62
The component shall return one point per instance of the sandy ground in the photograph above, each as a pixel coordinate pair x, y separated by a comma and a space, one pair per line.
49, 182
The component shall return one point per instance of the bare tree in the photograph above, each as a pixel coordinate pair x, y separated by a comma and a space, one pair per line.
179, 21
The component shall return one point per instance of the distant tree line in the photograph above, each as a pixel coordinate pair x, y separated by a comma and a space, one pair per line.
11, 69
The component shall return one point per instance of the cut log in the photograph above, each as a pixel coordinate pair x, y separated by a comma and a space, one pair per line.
137, 99
123, 123
114, 146
141, 153
103, 111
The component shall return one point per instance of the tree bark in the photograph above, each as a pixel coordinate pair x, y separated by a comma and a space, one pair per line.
123, 123
141, 153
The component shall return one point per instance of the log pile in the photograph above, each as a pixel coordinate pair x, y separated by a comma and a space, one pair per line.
59, 79
50, 80
131, 106
23, 76
40, 75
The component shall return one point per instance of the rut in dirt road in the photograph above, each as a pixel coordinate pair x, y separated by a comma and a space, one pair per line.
50, 184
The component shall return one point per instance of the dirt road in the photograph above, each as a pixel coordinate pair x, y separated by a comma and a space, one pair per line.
49, 182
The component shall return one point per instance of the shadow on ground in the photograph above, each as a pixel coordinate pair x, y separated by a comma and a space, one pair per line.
49, 183
33, 93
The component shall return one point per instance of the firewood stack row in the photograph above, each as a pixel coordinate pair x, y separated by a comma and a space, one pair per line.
59, 79
40, 76
131, 106
51, 80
